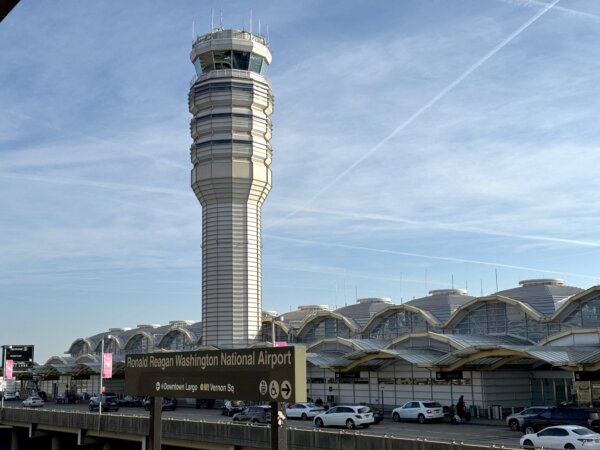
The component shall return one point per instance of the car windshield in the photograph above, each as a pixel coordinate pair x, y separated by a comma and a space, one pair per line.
582, 431
311, 405
364, 409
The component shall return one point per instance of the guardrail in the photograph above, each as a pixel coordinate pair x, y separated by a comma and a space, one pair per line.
220, 432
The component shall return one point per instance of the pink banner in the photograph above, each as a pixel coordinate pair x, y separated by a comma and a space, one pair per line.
107, 366
280, 343
8, 369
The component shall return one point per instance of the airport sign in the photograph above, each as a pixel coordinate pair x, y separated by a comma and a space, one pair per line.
261, 374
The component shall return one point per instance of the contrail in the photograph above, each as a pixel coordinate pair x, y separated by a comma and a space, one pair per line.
425, 107
110, 186
455, 227
568, 11
438, 258
141, 154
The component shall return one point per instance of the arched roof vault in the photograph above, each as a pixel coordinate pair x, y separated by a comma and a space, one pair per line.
137, 334
445, 338
390, 310
278, 323
572, 302
322, 315
188, 334
85, 341
350, 343
109, 337
462, 310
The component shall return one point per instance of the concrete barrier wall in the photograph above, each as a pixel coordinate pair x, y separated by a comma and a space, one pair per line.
247, 436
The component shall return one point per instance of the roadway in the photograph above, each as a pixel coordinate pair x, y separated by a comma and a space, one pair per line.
480, 433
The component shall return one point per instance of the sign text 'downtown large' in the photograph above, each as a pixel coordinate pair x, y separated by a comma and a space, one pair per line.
265, 374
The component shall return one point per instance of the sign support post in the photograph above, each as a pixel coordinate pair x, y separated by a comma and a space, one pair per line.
3, 372
154, 439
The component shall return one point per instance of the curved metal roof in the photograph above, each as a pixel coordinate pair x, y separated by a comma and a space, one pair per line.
545, 297
442, 303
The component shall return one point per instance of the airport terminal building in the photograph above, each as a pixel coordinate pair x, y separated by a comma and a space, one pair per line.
538, 343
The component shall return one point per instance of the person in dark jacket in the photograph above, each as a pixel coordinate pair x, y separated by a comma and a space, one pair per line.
461, 409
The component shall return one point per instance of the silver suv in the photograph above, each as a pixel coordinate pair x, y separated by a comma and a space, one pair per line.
515, 421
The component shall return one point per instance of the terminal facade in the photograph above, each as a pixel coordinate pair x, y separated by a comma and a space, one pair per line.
535, 344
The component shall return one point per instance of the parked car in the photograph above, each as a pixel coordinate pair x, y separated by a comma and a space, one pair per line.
108, 403
231, 407
42, 395
378, 416
33, 401
584, 417
67, 398
568, 437
168, 404
131, 400
515, 421
419, 410
303, 411
254, 414
345, 416
10, 395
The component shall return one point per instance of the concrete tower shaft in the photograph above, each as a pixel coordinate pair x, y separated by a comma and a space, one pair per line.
231, 102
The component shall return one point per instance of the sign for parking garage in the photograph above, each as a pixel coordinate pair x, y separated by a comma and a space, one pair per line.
262, 374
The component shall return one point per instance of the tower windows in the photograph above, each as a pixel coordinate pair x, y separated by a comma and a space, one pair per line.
230, 59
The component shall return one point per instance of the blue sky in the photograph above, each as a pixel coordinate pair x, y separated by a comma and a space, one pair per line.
416, 144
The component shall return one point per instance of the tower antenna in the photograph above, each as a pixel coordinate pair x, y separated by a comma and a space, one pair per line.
259, 27
193, 31
221, 23
212, 20
250, 21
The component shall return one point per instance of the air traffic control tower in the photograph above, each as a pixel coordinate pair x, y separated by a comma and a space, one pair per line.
231, 102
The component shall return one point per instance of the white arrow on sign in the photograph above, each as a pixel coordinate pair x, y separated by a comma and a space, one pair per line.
286, 389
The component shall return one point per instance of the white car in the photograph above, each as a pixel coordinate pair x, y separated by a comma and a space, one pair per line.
11, 396
303, 411
419, 410
346, 416
515, 421
32, 401
567, 437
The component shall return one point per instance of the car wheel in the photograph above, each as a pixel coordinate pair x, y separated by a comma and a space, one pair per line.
396, 417
366, 425
528, 444
319, 422
90, 408
529, 430
304, 416
350, 424
514, 425
254, 420
569, 447
235, 419
421, 419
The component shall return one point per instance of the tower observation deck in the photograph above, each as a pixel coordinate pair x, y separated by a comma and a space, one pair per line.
231, 102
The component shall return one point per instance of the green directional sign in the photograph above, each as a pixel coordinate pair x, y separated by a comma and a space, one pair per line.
261, 374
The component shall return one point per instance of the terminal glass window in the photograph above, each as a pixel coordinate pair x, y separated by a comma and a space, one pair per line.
585, 315
496, 317
515, 321
139, 344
